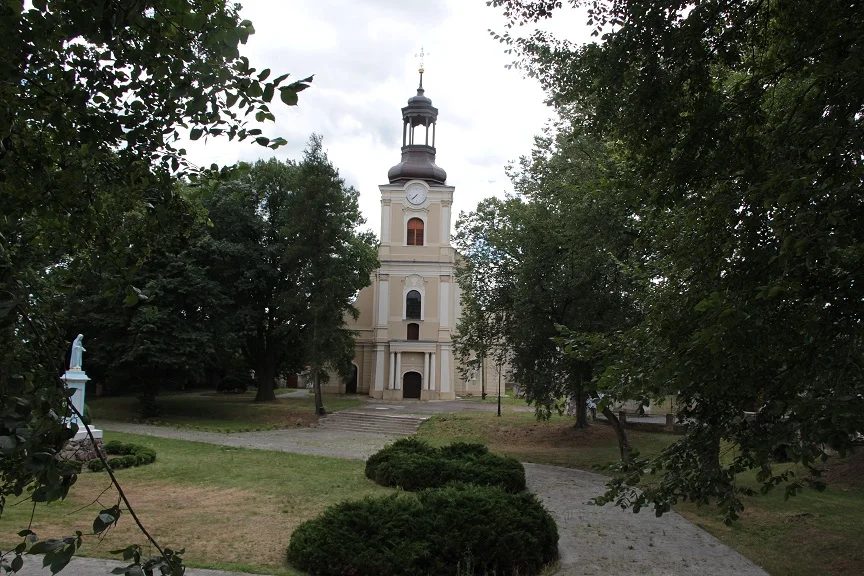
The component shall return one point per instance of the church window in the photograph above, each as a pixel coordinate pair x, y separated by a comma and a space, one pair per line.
413, 331
415, 232
412, 305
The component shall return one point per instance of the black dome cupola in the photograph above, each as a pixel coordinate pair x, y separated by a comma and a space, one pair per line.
419, 118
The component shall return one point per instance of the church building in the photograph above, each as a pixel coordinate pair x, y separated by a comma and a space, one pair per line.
408, 315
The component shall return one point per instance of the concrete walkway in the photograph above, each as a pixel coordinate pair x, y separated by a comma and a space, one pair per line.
313, 441
98, 567
594, 540
604, 541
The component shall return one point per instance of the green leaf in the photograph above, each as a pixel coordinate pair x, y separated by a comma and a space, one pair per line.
7, 443
289, 96
17, 563
264, 74
196, 133
46, 546
102, 522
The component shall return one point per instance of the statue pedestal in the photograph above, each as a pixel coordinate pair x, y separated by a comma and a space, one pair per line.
80, 447
76, 380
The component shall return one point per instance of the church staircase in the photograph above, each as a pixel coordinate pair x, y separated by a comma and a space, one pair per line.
390, 424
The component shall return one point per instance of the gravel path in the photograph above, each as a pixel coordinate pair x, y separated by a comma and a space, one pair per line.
314, 441
594, 540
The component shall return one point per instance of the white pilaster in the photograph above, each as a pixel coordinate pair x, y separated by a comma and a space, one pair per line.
383, 300
392, 379
398, 385
386, 212
444, 302
432, 360
445, 223
445, 369
426, 370
379, 368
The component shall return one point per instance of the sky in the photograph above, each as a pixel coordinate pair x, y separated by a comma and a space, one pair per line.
363, 54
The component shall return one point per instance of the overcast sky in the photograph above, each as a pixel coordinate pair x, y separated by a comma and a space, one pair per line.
362, 53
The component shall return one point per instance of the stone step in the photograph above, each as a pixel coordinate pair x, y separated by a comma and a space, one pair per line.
396, 424
370, 425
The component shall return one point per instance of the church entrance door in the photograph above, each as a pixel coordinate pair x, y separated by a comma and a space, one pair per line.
351, 386
411, 384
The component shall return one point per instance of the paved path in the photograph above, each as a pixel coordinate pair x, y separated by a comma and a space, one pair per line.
594, 540
98, 567
314, 441
435, 407
608, 541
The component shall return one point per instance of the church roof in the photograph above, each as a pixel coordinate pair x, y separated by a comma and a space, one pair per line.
418, 159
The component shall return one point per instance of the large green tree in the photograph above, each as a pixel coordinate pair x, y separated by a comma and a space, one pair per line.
740, 128
293, 260
93, 99
547, 258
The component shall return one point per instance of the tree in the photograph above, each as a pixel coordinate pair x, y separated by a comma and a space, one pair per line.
178, 333
93, 98
294, 260
338, 261
556, 251
740, 126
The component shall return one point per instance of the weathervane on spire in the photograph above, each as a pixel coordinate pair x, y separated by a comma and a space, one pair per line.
421, 55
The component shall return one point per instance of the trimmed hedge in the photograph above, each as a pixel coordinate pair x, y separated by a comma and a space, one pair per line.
458, 530
415, 465
129, 455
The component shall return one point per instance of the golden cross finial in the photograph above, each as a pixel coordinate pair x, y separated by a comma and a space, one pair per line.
421, 55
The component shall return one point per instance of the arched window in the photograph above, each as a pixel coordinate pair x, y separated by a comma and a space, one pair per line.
412, 305
415, 232
413, 331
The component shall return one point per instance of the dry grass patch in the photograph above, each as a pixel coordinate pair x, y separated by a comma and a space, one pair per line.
232, 509
554, 442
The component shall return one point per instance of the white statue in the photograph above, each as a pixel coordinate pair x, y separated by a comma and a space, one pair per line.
78, 350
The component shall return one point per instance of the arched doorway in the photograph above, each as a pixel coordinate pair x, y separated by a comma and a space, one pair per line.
411, 384
351, 386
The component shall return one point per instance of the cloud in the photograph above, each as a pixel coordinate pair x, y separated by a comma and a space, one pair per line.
362, 53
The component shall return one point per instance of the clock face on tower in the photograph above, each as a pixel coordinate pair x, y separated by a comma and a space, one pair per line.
415, 194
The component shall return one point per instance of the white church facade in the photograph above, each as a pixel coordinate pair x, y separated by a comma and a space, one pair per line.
409, 313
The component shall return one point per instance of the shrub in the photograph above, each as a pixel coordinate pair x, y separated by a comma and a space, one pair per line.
459, 529
415, 465
129, 455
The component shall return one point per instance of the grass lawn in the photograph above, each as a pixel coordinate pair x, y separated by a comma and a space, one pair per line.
521, 435
812, 533
221, 412
232, 509
493, 399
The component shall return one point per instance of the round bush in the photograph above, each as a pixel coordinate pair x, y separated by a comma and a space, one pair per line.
129, 455
459, 530
415, 465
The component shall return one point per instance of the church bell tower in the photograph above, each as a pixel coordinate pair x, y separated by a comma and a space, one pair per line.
416, 298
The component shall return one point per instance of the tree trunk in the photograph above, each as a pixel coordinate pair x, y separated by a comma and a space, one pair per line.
581, 409
711, 457
265, 374
483, 377
319, 399
620, 432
